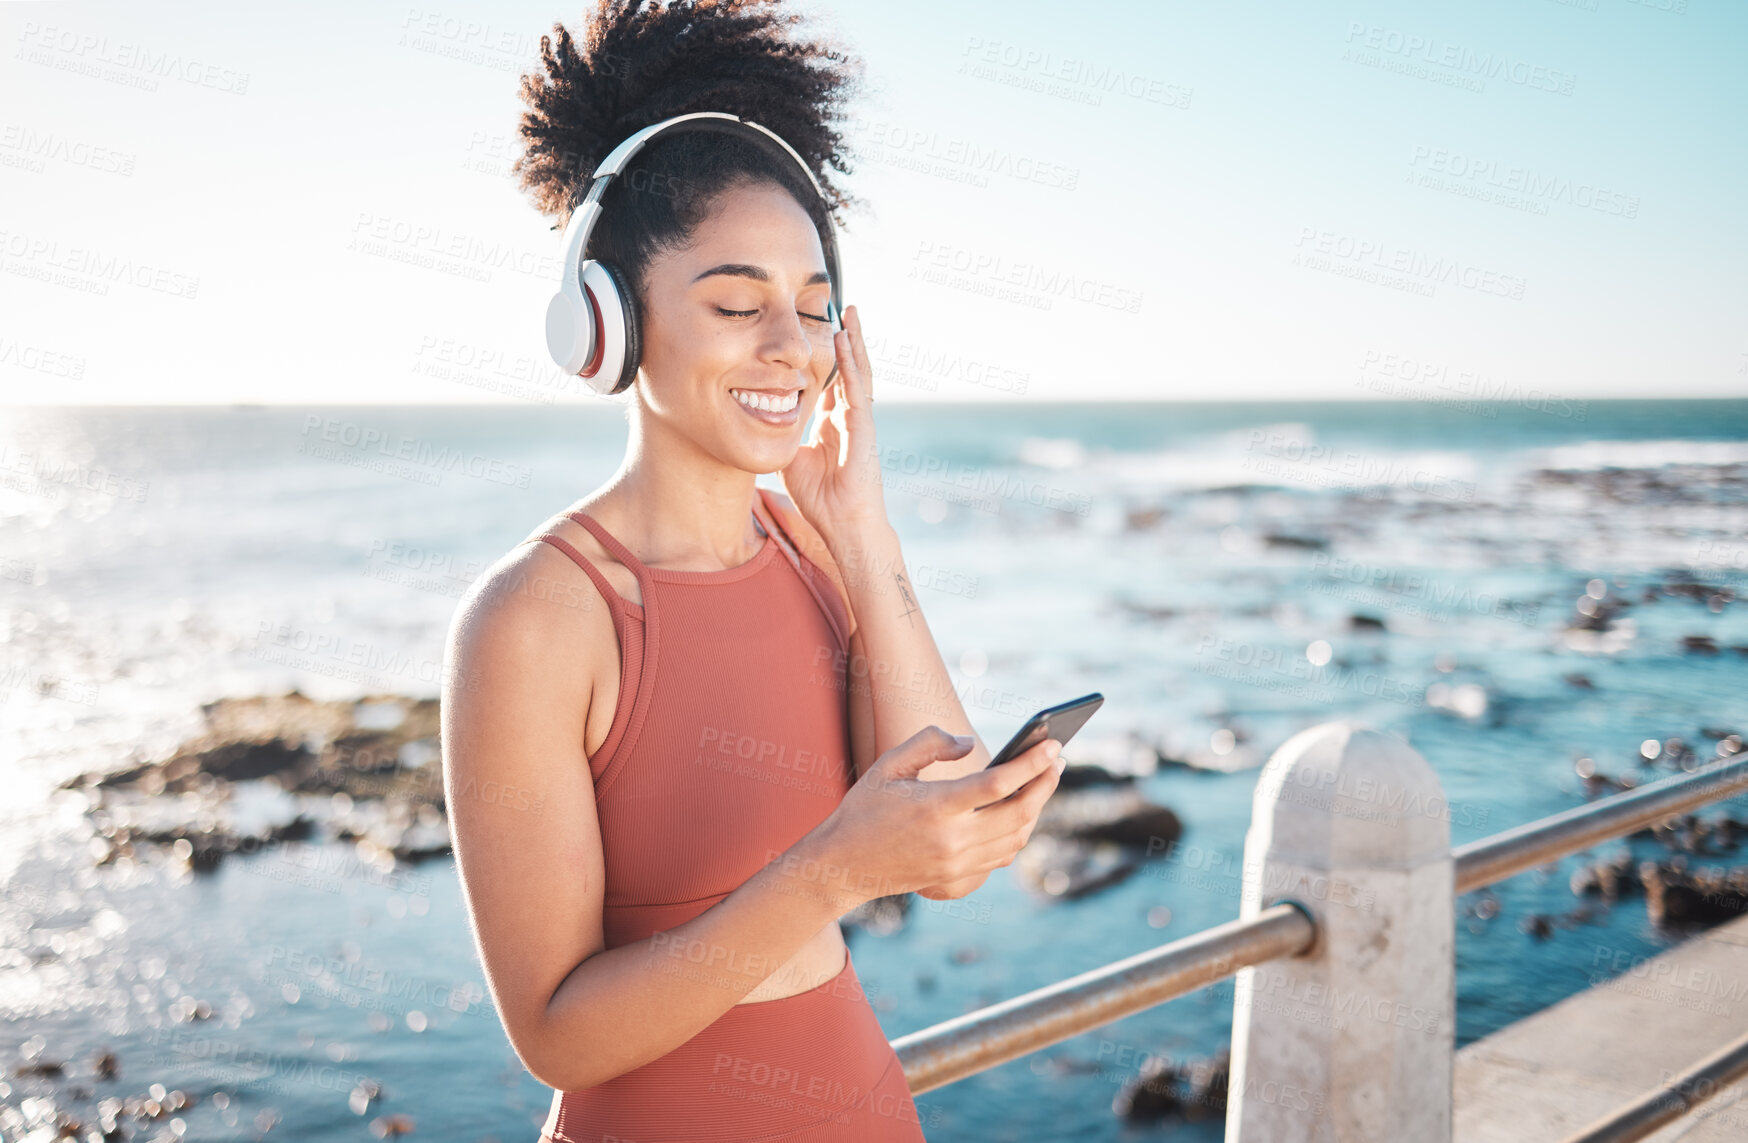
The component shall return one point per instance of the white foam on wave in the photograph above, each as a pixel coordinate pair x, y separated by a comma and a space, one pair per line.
1284, 454
1638, 454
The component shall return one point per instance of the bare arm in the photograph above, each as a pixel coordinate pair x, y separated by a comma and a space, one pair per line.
528, 848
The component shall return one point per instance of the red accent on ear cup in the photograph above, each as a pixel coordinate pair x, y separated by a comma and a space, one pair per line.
594, 361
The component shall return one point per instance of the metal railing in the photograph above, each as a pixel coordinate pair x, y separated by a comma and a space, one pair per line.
976, 1041
1681, 1095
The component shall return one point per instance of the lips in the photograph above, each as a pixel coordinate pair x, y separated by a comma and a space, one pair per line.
769, 408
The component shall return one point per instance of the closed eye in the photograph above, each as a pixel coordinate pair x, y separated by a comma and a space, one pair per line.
749, 313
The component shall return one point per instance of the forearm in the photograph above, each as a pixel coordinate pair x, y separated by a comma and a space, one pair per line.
899, 672
626, 1006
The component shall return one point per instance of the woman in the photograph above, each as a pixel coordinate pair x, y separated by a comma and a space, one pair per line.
674, 754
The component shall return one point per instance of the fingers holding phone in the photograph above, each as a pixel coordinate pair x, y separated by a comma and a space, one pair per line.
994, 784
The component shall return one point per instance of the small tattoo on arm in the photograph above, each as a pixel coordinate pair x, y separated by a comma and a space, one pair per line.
909, 600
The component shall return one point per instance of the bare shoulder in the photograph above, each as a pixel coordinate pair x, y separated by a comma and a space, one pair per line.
527, 653
533, 599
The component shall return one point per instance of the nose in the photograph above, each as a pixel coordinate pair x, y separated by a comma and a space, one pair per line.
801, 340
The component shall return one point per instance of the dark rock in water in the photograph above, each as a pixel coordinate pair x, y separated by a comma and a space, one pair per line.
1687, 833
1702, 644
1147, 611
1676, 896
1281, 540
1062, 868
1148, 828
381, 749
1581, 681
1695, 590
1093, 837
40, 1069
1195, 1090
1079, 775
1538, 925
1359, 622
1611, 879
1596, 782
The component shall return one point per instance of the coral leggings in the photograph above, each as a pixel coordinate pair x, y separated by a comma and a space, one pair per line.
806, 1068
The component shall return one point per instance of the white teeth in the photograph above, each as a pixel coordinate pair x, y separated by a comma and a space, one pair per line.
768, 404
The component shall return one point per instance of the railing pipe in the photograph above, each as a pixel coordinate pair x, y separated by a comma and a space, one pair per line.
1676, 1098
964, 1045
1483, 862
1332, 790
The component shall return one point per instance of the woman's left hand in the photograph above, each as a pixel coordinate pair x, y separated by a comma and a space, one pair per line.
835, 477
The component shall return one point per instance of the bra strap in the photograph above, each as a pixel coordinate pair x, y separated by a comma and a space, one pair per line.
767, 520
619, 550
821, 559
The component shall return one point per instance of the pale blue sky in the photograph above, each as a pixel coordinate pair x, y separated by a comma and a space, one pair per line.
1290, 196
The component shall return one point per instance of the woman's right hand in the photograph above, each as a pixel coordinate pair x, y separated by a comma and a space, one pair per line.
896, 833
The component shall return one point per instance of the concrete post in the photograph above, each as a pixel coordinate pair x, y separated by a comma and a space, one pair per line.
1352, 1040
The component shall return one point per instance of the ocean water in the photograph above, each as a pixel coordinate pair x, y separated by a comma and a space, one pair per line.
1201, 565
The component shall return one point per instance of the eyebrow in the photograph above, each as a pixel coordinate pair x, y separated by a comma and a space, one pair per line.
759, 274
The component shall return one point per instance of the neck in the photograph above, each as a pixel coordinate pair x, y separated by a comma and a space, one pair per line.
677, 506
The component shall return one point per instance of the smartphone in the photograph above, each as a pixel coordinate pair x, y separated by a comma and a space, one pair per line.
1058, 722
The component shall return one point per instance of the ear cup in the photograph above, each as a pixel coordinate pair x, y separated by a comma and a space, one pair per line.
570, 328
615, 324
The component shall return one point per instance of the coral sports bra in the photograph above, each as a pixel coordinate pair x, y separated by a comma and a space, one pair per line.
731, 737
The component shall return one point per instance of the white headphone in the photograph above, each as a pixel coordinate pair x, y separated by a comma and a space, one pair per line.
591, 323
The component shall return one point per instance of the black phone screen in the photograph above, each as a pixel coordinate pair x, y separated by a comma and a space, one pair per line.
1058, 722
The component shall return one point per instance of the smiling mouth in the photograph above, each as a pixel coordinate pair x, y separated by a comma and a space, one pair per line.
769, 403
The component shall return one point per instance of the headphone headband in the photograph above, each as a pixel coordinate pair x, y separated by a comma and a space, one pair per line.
575, 310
